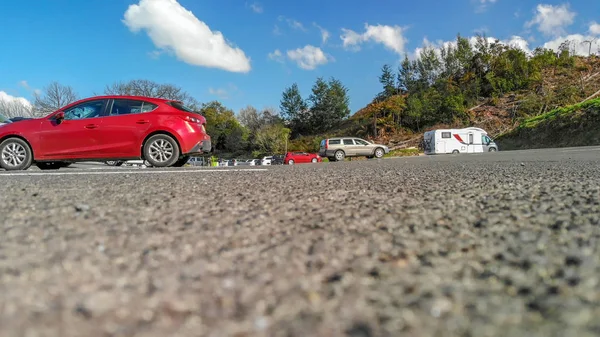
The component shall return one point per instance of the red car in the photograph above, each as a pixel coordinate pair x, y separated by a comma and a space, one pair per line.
102, 128
292, 158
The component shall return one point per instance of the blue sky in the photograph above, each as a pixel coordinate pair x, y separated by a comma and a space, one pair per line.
267, 45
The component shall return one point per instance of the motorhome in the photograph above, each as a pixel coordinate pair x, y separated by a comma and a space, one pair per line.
467, 140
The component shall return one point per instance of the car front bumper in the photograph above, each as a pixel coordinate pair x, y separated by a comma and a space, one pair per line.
204, 146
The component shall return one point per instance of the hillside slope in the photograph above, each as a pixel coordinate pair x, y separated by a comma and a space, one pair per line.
575, 125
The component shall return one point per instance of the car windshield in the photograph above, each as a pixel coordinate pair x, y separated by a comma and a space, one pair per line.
4, 119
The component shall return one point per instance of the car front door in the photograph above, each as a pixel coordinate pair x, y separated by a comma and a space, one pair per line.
77, 135
126, 123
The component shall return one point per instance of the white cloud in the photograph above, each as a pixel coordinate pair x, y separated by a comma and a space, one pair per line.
172, 27
222, 93
482, 5
390, 36
292, 23
577, 42
256, 7
276, 56
552, 20
277, 30
324, 33
595, 28
12, 106
309, 57
24, 84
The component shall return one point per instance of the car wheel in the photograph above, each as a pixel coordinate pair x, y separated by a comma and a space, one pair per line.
455, 152
54, 165
161, 151
314, 160
181, 161
15, 154
379, 152
291, 162
492, 149
340, 155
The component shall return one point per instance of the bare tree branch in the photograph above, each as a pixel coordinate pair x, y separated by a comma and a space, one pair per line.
54, 97
15, 108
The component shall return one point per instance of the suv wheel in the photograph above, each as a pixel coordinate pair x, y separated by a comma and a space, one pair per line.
339, 155
379, 152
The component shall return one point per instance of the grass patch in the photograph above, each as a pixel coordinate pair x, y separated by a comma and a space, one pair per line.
403, 153
561, 112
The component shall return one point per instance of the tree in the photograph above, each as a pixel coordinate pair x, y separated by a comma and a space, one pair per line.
226, 132
147, 88
294, 109
53, 97
15, 107
388, 82
328, 105
272, 138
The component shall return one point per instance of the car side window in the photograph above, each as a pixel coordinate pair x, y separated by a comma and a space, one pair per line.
348, 142
90, 109
360, 142
130, 106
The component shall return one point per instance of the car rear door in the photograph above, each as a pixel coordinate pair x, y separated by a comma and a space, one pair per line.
126, 123
77, 136
349, 147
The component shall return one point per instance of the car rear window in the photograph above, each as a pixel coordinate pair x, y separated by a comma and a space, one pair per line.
334, 142
179, 106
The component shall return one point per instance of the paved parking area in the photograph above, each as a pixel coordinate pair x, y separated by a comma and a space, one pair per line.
481, 245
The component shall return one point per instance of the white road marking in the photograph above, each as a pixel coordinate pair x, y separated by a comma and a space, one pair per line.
581, 150
82, 173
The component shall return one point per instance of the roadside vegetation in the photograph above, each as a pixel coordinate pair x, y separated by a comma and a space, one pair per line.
471, 82
574, 125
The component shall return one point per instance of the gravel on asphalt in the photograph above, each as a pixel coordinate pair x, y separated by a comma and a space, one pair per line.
480, 245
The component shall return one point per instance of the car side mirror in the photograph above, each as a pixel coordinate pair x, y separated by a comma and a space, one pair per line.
60, 116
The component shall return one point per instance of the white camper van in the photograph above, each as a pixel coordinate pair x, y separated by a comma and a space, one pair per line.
467, 140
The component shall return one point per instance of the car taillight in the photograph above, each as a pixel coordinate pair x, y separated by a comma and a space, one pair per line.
326, 144
192, 119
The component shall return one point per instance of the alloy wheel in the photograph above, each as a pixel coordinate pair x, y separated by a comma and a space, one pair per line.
14, 154
161, 150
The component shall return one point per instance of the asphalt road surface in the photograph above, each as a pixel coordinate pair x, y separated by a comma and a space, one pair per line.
502, 244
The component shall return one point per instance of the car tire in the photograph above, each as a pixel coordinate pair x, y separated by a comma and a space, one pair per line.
492, 149
340, 155
379, 152
182, 161
161, 151
15, 154
314, 160
52, 165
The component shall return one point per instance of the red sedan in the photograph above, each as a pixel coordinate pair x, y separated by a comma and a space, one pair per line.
292, 158
102, 128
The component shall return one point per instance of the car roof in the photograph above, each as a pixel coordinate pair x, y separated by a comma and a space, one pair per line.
145, 98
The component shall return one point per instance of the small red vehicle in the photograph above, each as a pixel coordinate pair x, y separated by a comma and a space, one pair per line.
102, 128
292, 158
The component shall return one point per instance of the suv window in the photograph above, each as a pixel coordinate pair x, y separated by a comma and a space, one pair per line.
130, 106
90, 109
334, 142
360, 142
348, 142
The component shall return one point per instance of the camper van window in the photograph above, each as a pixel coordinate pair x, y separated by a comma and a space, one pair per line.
446, 134
485, 140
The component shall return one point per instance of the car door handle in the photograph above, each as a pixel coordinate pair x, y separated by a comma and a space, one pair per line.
142, 121
91, 126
